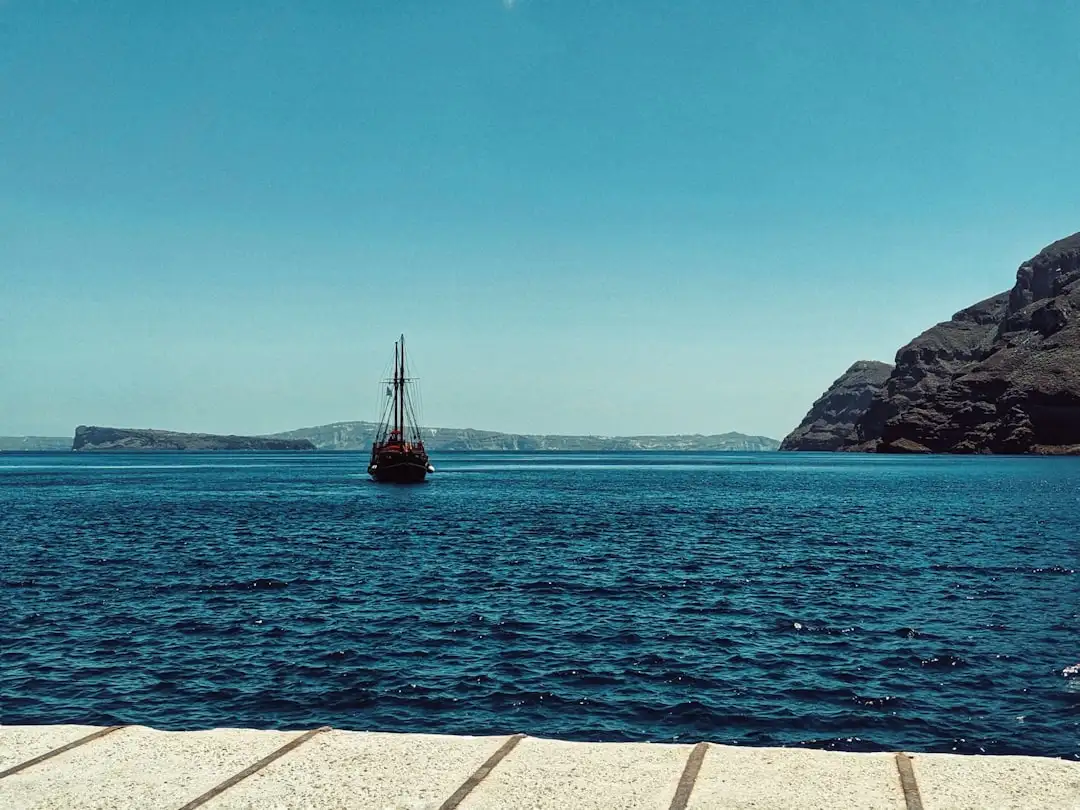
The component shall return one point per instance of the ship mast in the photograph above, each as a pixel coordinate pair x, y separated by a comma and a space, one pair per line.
402, 388
397, 391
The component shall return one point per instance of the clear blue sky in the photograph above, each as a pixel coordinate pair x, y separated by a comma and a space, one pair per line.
616, 216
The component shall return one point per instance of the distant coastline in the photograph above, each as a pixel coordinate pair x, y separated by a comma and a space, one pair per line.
34, 444
357, 436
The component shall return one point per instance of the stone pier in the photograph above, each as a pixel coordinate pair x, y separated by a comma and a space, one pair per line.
86, 767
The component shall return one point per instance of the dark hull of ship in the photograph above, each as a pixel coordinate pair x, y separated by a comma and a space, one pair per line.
399, 469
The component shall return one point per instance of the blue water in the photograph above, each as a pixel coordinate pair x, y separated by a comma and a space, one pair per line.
850, 602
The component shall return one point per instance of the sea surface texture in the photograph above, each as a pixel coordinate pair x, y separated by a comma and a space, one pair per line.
837, 601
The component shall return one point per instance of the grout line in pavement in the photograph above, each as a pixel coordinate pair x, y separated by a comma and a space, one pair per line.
295, 742
101, 732
907, 781
689, 777
466, 788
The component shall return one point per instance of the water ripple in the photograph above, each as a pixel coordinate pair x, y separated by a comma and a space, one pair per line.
835, 602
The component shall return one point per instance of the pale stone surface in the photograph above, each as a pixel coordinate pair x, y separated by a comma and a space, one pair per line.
542, 774
22, 743
349, 769
138, 767
956, 782
737, 778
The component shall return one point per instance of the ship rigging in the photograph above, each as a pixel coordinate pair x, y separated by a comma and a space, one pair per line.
397, 453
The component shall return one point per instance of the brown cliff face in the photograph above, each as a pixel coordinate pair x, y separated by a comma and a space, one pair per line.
1002, 376
830, 424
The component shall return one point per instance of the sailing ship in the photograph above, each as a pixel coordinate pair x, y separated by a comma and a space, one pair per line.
397, 454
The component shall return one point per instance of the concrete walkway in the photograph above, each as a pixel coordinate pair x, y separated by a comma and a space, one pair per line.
136, 767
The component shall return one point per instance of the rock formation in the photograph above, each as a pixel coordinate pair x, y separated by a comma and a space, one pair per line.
926, 367
830, 424
105, 438
1011, 386
1002, 376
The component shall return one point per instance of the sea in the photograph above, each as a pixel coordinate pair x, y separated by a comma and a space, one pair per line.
841, 601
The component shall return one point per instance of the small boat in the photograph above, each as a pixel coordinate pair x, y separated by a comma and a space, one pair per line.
397, 454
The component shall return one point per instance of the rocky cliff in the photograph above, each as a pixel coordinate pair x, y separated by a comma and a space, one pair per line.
106, 438
1011, 385
830, 424
927, 365
359, 435
1002, 376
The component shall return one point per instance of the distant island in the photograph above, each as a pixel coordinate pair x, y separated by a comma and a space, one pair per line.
357, 436
1001, 376
105, 438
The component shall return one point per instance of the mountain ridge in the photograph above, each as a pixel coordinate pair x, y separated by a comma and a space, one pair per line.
358, 435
